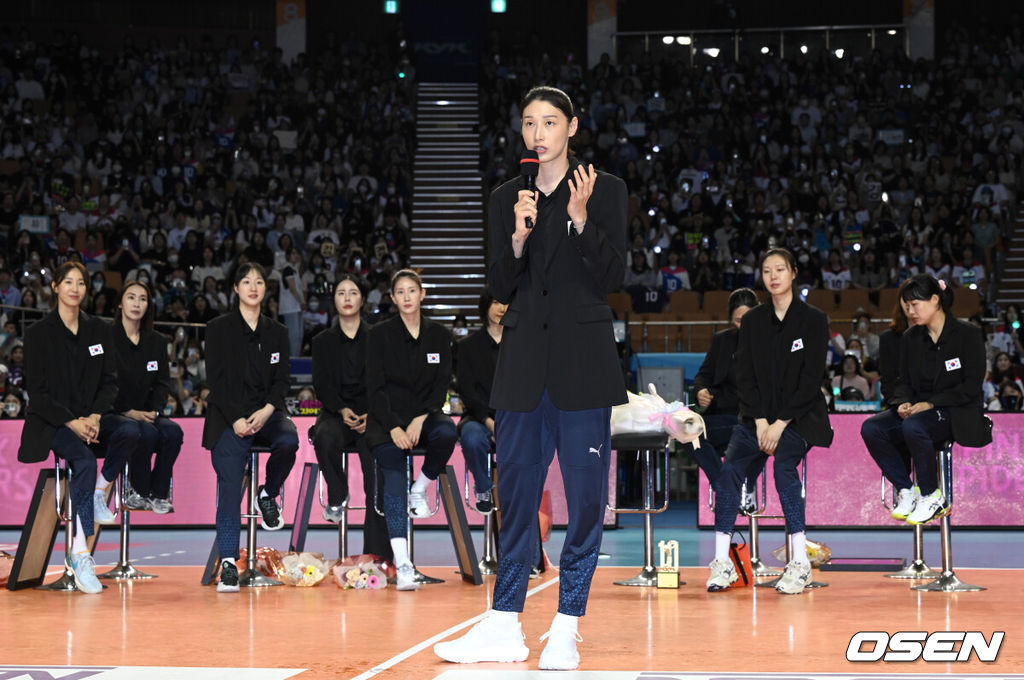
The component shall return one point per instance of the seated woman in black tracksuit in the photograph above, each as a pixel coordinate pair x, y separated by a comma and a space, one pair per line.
339, 378
408, 369
715, 385
143, 383
71, 380
938, 398
248, 374
780, 359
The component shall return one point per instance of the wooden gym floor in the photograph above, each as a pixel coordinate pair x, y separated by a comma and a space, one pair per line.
324, 632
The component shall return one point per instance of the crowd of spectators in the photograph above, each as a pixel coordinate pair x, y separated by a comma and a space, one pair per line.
870, 168
173, 164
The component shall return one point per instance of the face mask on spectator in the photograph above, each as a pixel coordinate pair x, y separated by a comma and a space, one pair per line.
172, 258
804, 258
168, 410
314, 305
97, 285
12, 408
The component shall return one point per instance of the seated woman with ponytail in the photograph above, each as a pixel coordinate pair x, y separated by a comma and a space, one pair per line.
937, 398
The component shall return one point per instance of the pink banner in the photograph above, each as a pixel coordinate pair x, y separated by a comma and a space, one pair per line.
844, 484
195, 482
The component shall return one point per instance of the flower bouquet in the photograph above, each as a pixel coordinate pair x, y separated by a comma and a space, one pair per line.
362, 572
651, 413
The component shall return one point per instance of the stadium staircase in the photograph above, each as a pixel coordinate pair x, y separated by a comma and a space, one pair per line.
1011, 280
447, 243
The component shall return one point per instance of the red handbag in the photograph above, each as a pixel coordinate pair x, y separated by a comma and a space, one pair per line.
740, 555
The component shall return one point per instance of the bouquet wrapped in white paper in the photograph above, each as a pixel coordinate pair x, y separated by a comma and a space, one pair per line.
650, 413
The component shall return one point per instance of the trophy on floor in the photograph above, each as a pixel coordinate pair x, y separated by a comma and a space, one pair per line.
668, 569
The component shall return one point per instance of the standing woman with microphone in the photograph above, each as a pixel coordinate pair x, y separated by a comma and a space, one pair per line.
248, 372
938, 398
557, 375
143, 383
71, 380
780, 359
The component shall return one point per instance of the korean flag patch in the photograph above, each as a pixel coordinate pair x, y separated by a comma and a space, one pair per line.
95, 350
275, 357
433, 358
953, 364
798, 344
151, 366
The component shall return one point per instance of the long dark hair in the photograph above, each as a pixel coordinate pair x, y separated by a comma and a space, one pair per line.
243, 270
784, 253
360, 283
557, 98
742, 297
146, 322
405, 274
899, 321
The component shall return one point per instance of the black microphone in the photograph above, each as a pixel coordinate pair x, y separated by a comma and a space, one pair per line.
529, 166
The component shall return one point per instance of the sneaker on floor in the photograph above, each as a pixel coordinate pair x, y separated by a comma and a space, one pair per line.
560, 654
334, 513
494, 638
270, 514
484, 501
795, 578
927, 508
228, 581
405, 577
161, 506
534, 572
101, 513
418, 504
84, 567
723, 575
905, 502
748, 506
133, 501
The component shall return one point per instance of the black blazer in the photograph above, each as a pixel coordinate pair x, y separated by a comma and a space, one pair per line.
332, 352
717, 373
478, 357
406, 377
889, 364
226, 365
49, 406
957, 382
558, 328
780, 373
143, 376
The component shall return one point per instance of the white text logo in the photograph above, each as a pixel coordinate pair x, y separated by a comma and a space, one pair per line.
914, 645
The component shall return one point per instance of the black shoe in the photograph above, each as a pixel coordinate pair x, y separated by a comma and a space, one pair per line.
228, 582
484, 502
270, 514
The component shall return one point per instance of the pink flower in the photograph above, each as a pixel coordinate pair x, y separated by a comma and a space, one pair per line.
373, 582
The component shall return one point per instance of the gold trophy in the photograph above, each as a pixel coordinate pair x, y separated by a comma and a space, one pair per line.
668, 569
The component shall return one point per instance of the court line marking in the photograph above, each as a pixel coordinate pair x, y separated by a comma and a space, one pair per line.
416, 649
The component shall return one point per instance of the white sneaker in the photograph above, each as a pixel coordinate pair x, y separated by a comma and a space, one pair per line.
560, 653
494, 638
101, 513
723, 575
405, 577
928, 508
418, 504
795, 578
84, 568
906, 501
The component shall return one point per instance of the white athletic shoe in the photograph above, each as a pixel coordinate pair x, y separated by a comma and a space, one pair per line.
795, 578
84, 568
723, 575
494, 638
928, 508
418, 504
907, 499
405, 577
101, 513
560, 654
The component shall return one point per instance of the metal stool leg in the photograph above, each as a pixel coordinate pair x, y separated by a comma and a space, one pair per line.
947, 582
488, 563
648, 575
250, 578
66, 582
343, 522
420, 577
917, 569
125, 570
757, 567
